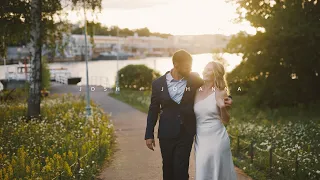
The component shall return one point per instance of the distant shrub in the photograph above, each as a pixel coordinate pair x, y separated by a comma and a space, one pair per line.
137, 77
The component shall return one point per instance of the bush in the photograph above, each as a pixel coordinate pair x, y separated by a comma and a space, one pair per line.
14, 95
136, 77
60, 143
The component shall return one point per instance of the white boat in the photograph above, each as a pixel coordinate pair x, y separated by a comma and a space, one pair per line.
19, 72
17, 76
114, 56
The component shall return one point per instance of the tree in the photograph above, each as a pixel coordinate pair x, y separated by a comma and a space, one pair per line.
113, 30
143, 31
126, 32
24, 21
281, 61
99, 29
35, 79
163, 35
15, 20
14, 16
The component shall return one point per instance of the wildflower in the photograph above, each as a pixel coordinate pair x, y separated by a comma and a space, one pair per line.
28, 169
67, 169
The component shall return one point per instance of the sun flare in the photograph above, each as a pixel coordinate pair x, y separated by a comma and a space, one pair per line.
177, 17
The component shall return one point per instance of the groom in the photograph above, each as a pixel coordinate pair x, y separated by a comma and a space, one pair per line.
173, 97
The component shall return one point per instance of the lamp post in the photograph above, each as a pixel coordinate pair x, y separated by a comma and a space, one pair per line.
117, 78
88, 107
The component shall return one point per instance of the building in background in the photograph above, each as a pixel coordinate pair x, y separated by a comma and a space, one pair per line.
16, 54
72, 47
141, 46
196, 44
136, 45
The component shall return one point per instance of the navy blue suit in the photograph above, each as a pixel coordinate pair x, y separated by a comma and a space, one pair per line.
170, 112
175, 138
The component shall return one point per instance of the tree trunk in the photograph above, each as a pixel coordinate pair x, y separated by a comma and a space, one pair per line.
35, 80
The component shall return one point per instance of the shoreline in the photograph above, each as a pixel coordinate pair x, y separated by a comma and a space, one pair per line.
76, 60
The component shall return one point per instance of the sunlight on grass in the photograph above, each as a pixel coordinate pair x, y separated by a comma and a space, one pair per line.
290, 131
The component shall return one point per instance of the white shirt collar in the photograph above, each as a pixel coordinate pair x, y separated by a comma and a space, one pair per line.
170, 78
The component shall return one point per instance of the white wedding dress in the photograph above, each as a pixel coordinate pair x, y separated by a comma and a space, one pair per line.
212, 144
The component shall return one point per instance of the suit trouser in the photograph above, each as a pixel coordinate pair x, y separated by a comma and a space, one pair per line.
175, 155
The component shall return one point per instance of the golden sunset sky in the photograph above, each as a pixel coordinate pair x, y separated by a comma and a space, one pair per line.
177, 17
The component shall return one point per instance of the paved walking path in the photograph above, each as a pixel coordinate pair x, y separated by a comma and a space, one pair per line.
132, 160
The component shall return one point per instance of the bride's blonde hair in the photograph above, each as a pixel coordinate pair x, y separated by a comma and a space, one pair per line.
220, 81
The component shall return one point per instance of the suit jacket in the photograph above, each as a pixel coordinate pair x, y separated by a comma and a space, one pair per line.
170, 112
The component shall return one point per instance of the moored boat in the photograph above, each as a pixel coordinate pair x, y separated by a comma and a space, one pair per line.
112, 55
17, 76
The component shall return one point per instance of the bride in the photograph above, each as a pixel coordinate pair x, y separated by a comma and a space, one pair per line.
212, 144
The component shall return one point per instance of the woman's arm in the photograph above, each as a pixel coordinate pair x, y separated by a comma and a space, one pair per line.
221, 94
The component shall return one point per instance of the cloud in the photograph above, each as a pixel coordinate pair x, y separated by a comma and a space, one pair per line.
131, 4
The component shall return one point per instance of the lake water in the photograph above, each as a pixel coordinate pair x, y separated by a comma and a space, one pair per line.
104, 72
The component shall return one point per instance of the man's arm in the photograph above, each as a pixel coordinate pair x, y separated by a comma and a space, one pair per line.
153, 112
228, 102
198, 81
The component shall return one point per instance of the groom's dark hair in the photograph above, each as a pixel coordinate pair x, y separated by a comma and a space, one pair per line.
181, 56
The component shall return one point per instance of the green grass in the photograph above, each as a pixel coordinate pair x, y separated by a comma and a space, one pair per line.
243, 109
137, 99
46, 148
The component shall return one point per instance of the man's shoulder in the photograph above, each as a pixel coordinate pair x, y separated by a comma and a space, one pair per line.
195, 77
157, 80
194, 74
